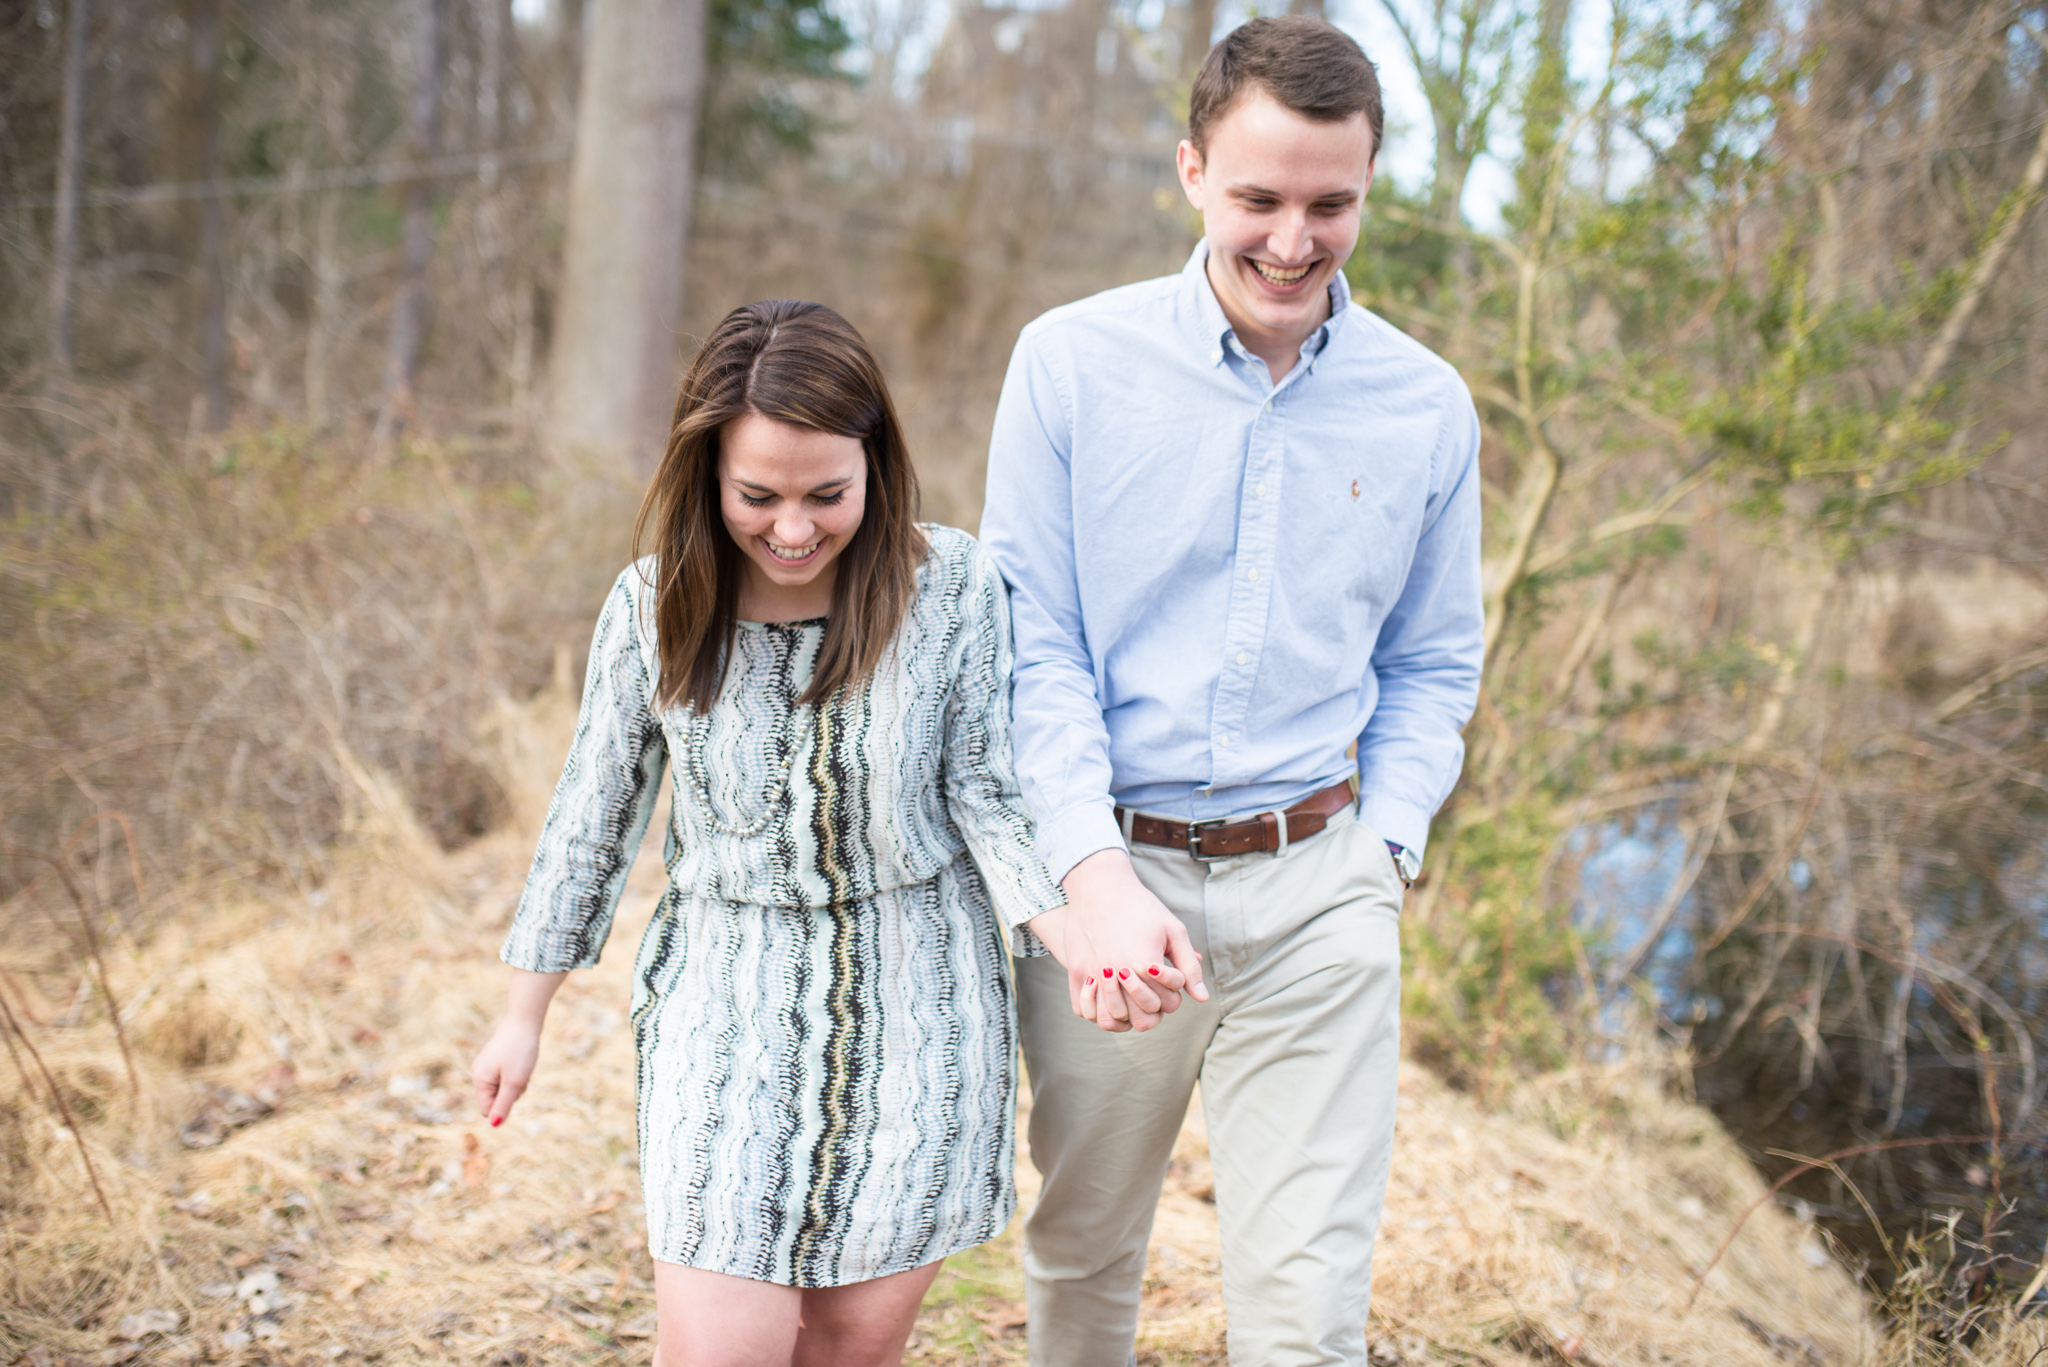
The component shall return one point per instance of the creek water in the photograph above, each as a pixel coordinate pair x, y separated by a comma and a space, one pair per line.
1785, 1087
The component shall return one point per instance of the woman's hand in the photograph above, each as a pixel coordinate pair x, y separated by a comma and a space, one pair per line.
505, 1064
1113, 925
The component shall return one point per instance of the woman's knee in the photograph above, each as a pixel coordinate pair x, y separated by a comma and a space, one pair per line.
863, 1325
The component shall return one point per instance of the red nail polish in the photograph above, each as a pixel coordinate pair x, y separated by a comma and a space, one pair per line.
1154, 970
1109, 973
1124, 973
497, 1120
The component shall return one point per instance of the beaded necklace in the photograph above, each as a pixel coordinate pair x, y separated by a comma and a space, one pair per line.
697, 729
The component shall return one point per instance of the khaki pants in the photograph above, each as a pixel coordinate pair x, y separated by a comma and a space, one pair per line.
1296, 1051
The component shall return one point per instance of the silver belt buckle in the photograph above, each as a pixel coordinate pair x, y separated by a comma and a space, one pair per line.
1195, 841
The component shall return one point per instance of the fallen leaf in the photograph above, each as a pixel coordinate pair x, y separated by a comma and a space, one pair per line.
476, 1163
639, 1327
144, 1323
275, 1081
224, 1111
610, 1202
1001, 1318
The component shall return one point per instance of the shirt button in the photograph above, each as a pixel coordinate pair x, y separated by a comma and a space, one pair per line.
1255, 576
1243, 658
1269, 405
1260, 490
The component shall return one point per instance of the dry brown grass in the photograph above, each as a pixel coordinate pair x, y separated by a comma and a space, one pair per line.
325, 1036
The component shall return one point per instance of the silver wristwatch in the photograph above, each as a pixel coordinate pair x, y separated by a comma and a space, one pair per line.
1406, 863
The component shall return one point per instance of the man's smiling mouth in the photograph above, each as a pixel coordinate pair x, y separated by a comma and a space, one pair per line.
1280, 275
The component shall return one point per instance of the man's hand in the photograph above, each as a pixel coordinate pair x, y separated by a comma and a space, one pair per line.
1127, 957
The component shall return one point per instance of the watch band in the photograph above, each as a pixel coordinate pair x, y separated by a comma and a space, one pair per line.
1405, 863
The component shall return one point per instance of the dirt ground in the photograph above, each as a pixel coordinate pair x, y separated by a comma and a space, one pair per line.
299, 1177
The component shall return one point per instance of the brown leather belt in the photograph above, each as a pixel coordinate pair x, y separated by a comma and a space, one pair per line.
1212, 840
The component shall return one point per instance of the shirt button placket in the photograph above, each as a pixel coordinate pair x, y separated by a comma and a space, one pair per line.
1257, 535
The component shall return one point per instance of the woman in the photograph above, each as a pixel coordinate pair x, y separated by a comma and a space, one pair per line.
820, 1003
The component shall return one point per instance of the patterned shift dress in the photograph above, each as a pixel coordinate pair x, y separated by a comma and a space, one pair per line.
821, 1003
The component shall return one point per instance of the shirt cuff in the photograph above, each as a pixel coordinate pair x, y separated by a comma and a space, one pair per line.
1395, 820
1076, 833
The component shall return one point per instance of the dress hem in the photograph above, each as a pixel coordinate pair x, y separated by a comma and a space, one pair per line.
977, 1241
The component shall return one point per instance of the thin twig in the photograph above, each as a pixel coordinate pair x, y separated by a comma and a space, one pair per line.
1780, 861
1937, 977
1800, 1171
2005, 231
92, 950
62, 1106
1710, 831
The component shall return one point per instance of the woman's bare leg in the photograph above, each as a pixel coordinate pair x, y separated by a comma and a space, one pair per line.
707, 1319
862, 1325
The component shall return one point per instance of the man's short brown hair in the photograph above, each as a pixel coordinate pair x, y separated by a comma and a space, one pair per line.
1308, 65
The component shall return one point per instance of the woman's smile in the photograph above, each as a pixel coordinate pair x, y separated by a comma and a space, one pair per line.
791, 555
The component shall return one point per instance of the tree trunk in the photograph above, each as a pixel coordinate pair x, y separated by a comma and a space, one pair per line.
64, 244
1201, 27
192, 153
329, 281
614, 362
497, 33
409, 312
213, 262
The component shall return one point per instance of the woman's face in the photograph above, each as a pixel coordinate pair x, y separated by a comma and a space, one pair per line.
792, 498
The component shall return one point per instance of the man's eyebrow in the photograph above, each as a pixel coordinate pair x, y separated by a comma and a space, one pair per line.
1333, 196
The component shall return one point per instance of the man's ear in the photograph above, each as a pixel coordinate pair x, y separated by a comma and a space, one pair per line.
1188, 162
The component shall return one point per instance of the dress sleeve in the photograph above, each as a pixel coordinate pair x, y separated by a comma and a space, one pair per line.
601, 806
982, 796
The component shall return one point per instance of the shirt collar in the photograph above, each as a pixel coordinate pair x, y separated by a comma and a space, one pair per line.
1217, 334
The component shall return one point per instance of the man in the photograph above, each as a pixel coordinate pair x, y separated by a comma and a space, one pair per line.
1239, 516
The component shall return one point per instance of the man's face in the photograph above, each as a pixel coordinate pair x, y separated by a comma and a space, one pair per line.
1280, 197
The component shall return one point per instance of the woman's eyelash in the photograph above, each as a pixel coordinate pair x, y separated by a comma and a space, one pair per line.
764, 500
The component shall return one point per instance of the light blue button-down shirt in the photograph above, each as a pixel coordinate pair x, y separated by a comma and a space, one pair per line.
1219, 583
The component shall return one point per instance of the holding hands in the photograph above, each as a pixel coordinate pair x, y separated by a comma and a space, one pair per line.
1128, 958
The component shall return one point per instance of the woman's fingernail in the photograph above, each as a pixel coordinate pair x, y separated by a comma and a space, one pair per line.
1109, 973
1154, 970
1124, 973
497, 1120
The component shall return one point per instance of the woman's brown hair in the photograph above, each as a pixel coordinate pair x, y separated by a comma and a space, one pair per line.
801, 364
